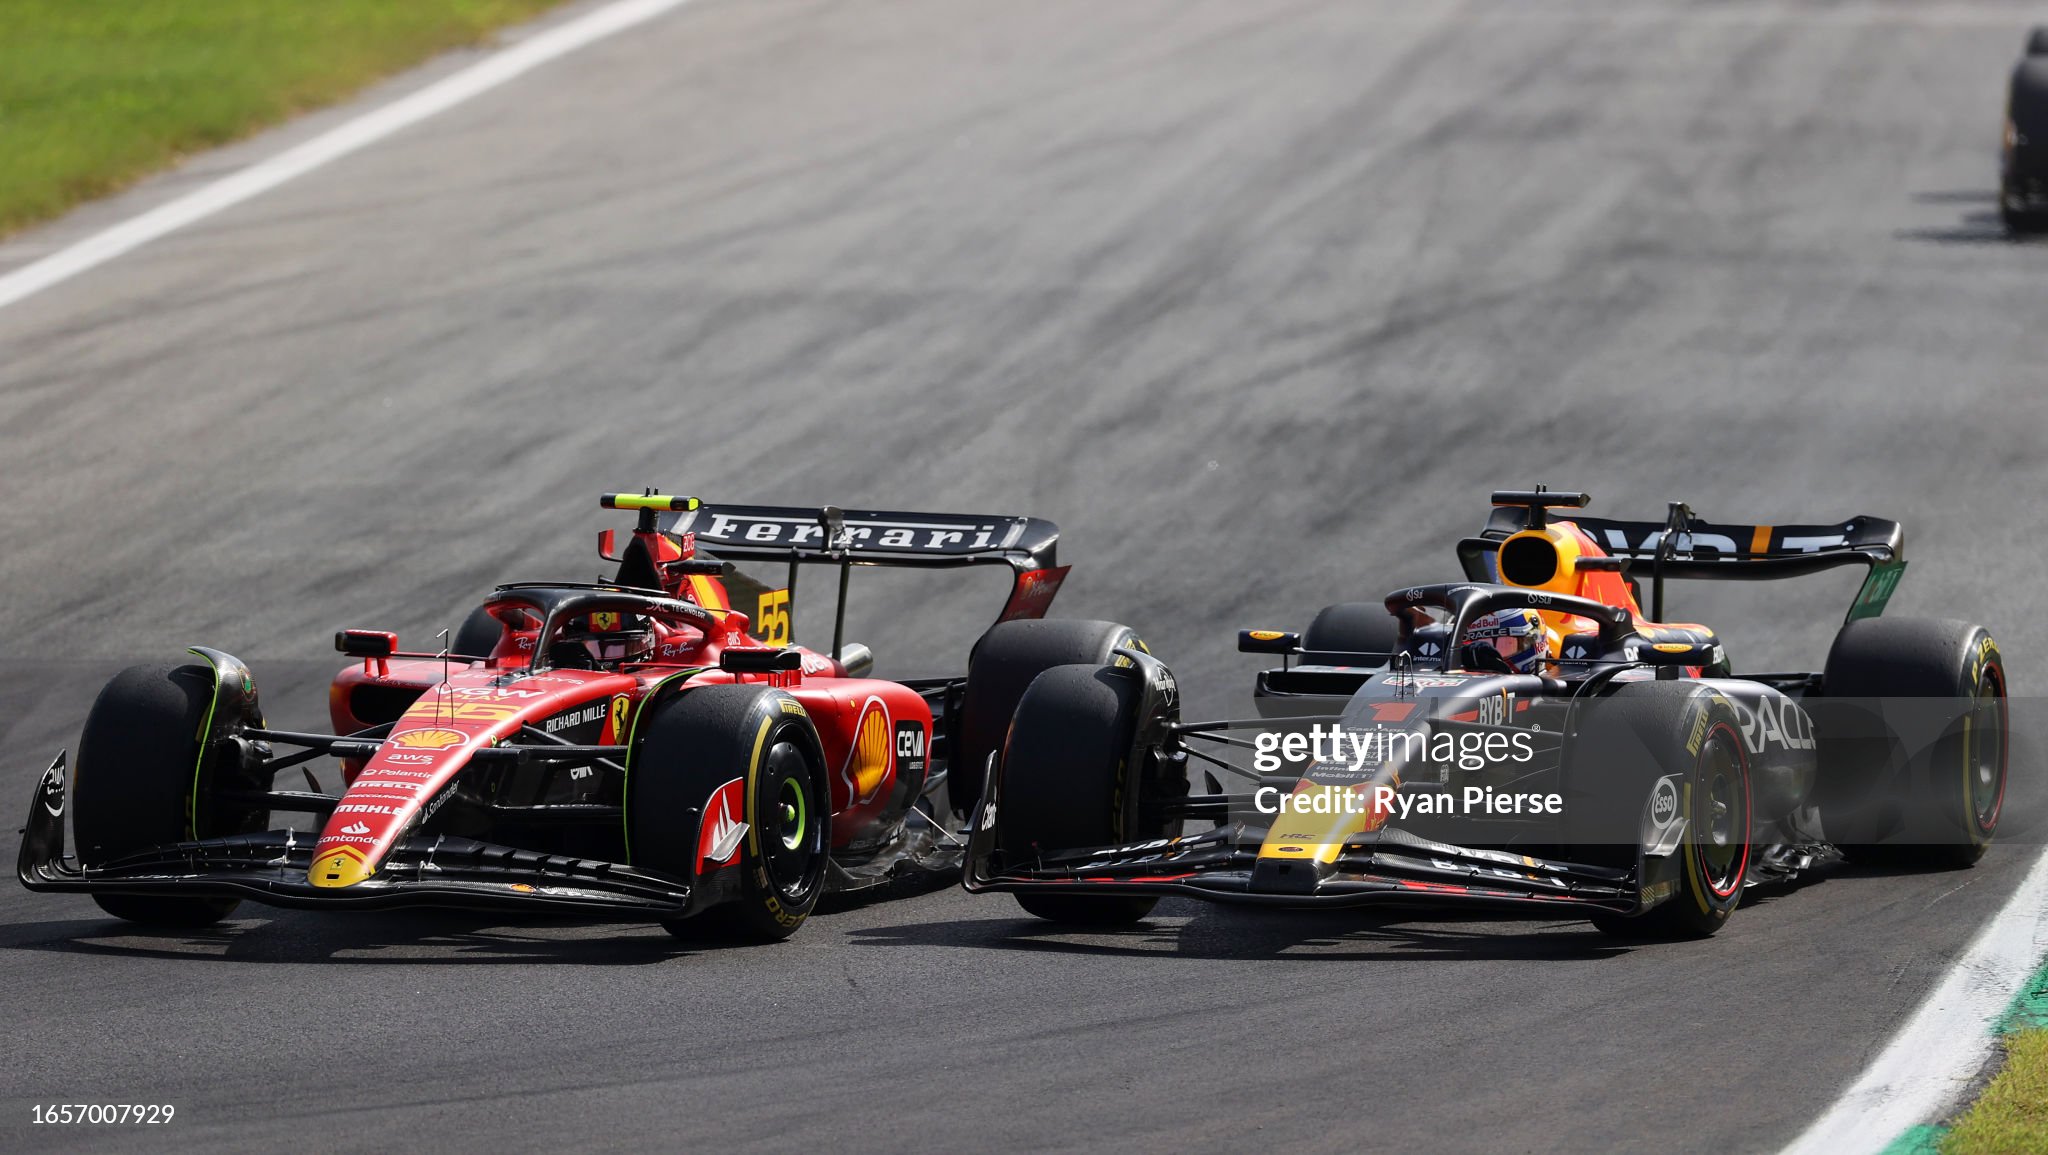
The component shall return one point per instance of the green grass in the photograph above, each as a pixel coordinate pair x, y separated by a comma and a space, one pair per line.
96, 93
2012, 1116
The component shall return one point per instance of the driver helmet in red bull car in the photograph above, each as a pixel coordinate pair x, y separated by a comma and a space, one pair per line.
1517, 635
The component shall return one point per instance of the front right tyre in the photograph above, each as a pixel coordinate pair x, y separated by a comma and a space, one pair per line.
132, 789
1651, 750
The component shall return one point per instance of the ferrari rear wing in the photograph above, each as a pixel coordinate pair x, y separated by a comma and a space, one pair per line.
844, 538
1685, 546
868, 537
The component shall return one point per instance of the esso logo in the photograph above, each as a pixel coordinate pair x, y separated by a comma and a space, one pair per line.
1663, 802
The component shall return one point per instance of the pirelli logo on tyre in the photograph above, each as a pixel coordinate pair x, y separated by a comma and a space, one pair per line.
1699, 729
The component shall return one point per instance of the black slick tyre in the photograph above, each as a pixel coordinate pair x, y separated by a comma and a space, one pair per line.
1682, 742
1916, 709
1352, 628
1002, 666
478, 636
138, 762
694, 745
1067, 783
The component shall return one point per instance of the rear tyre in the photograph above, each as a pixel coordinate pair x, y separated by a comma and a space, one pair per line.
1003, 664
1067, 783
1353, 628
696, 743
1632, 742
132, 790
1940, 770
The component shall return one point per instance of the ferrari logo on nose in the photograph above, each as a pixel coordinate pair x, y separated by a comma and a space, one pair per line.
344, 867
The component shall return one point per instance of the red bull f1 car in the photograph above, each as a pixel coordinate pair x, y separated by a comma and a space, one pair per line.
638, 747
1526, 737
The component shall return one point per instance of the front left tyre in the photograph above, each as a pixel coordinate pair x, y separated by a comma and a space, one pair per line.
1005, 661
1068, 781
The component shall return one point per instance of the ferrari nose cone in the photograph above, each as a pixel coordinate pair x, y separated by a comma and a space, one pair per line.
343, 866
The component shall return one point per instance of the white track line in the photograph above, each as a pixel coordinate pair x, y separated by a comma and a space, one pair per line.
329, 146
1925, 1070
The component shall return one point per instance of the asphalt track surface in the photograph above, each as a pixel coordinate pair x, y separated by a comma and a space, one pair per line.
1258, 300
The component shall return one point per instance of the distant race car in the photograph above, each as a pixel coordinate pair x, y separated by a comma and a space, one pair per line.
626, 747
2023, 174
1526, 738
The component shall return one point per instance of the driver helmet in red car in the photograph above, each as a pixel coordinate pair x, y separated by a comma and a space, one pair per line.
605, 638
1517, 635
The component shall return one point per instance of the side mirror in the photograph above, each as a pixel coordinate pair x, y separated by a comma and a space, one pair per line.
608, 545
1678, 653
1267, 642
366, 643
760, 661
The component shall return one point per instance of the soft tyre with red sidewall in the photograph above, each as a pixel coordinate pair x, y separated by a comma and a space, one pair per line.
1649, 731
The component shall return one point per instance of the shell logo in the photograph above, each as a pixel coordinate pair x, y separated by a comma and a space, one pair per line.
1266, 635
427, 739
869, 762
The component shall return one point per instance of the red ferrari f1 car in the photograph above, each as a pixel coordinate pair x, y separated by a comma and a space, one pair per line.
638, 746
1530, 737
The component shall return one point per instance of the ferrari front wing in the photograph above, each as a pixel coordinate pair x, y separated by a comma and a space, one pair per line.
273, 867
